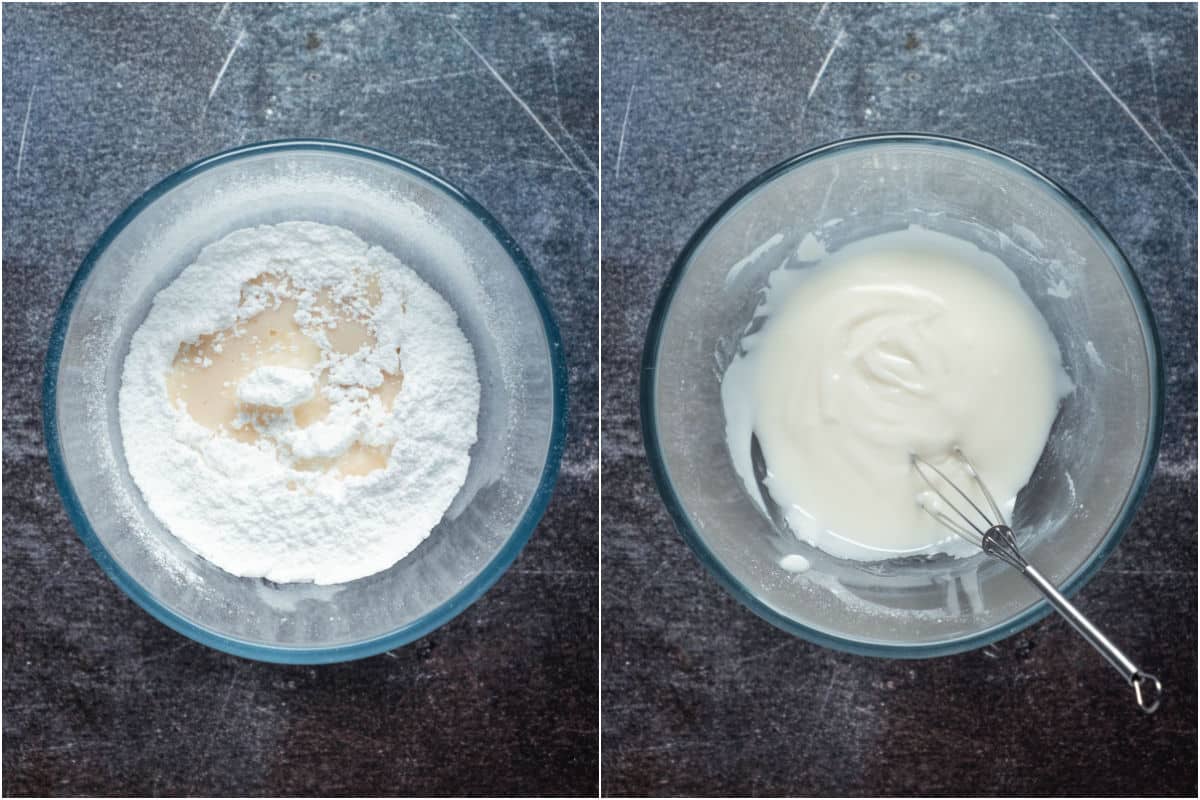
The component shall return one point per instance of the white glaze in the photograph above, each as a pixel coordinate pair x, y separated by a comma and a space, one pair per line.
907, 342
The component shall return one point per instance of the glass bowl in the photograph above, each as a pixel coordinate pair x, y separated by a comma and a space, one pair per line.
459, 249
1101, 450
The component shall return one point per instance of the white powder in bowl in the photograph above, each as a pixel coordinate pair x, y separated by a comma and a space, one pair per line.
270, 494
277, 387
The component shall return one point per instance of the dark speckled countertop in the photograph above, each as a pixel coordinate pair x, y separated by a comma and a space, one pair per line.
703, 697
100, 102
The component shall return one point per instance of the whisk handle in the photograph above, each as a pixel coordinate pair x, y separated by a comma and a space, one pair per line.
1146, 687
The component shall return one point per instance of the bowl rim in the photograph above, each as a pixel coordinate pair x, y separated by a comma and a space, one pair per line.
434, 618
1040, 608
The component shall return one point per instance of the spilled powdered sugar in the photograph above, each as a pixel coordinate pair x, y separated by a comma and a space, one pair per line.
251, 507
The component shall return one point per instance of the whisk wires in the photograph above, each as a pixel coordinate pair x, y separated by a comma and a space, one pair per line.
989, 533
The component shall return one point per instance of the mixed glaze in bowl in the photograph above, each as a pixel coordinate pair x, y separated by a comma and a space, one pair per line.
1102, 446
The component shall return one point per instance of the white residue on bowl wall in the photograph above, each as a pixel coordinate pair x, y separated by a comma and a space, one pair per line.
1071, 486
969, 582
1027, 237
1059, 290
755, 254
966, 584
860, 604
794, 563
811, 248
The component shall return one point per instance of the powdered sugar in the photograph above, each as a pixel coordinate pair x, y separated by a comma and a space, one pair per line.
277, 387
258, 508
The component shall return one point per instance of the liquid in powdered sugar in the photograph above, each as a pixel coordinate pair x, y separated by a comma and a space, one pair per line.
299, 406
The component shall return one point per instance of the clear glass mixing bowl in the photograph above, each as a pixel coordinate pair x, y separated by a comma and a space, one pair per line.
1101, 450
459, 249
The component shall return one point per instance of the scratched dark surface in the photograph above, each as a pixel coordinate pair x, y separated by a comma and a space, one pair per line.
699, 695
101, 102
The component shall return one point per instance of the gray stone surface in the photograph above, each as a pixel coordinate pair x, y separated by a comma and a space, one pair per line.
702, 697
99, 103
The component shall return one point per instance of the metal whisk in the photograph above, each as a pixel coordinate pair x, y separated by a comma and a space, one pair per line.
993, 535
